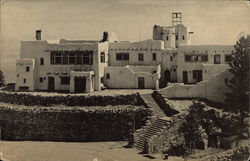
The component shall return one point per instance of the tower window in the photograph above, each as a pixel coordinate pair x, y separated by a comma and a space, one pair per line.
102, 57
183, 37
176, 37
24, 80
154, 56
167, 38
27, 69
41, 61
171, 58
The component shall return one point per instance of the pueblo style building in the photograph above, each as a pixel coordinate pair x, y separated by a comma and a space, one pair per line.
86, 66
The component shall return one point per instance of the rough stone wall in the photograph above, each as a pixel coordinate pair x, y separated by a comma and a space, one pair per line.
67, 100
162, 101
169, 137
70, 123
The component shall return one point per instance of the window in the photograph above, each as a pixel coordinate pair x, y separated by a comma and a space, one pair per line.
171, 58
107, 76
228, 58
65, 80
40, 79
176, 37
167, 38
24, 80
204, 58
122, 56
154, 56
216, 59
196, 57
140, 57
58, 58
72, 58
188, 58
102, 57
197, 75
41, 61
27, 69
183, 37
102, 79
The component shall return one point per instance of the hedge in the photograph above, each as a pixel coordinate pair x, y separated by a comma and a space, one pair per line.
68, 100
109, 123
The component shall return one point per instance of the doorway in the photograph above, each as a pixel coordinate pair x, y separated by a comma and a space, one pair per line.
51, 83
80, 84
141, 82
185, 77
167, 76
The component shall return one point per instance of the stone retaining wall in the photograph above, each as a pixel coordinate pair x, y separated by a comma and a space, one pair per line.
68, 100
70, 123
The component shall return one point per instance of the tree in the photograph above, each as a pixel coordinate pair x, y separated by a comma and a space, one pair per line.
2, 80
239, 96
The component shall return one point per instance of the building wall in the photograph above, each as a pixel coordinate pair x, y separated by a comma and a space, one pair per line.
41, 49
146, 47
25, 78
209, 50
212, 89
210, 70
166, 34
182, 33
169, 62
127, 76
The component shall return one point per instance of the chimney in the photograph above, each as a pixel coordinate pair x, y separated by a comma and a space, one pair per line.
38, 34
105, 36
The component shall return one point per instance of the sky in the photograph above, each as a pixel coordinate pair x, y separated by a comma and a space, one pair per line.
213, 22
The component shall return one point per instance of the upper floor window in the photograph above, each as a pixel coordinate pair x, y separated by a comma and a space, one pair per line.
183, 37
176, 37
122, 56
41, 61
27, 69
102, 57
228, 58
216, 59
188, 58
140, 57
204, 58
167, 38
71, 57
153, 56
24, 80
171, 58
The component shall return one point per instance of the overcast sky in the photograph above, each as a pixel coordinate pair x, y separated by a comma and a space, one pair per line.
211, 21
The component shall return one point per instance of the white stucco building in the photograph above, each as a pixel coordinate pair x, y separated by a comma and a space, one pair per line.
85, 66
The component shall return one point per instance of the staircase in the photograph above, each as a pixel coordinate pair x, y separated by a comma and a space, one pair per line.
158, 112
156, 126
151, 130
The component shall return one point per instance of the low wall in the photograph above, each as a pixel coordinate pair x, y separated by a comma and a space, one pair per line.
70, 123
67, 100
162, 101
212, 89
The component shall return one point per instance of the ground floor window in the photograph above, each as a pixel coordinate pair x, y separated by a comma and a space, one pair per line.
197, 75
65, 80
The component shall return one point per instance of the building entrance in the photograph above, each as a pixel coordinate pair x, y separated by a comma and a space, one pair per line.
185, 77
141, 82
51, 83
80, 84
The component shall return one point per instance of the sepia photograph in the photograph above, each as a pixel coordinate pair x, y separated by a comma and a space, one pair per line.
124, 80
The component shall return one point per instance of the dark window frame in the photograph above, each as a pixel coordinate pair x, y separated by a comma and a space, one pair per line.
41, 61
102, 57
140, 57
27, 69
154, 57
65, 80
